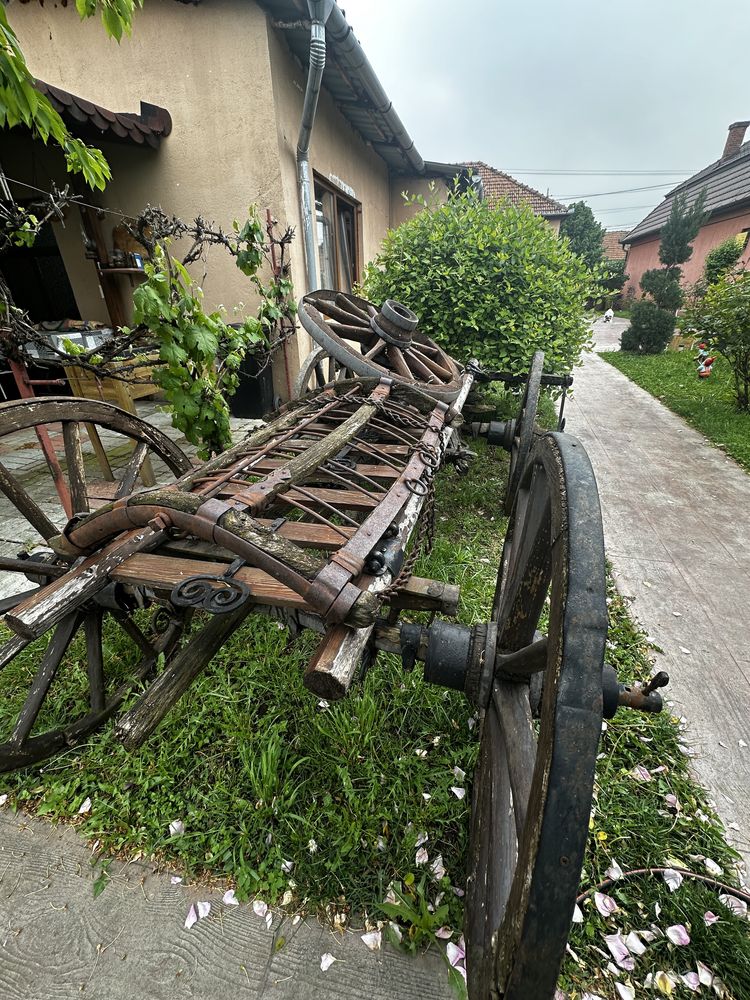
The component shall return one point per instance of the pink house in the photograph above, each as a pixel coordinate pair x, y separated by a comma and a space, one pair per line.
727, 184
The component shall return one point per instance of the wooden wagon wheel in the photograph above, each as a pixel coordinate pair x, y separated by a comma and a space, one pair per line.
316, 371
390, 343
533, 781
520, 432
88, 480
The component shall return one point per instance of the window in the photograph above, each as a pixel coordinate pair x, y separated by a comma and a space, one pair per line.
337, 221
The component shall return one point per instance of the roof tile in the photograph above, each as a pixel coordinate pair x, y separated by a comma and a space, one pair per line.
499, 186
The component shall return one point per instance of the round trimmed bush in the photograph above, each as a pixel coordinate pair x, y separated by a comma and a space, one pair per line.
494, 284
650, 329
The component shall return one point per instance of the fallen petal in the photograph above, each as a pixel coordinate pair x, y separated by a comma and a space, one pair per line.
323, 705
673, 879
203, 909
710, 918
705, 975
625, 991
421, 857
614, 871
458, 774
737, 906
605, 904
326, 961
577, 915
229, 898
287, 867
712, 867
455, 953
458, 792
426, 796
85, 806
444, 933
192, 917
3, 799
372, 940
678, 934
437, 868
663, 983
673, 803
175, 880
269, 920
260, 909
381, 844
692, 981
619, 951
634, 944
640, 773
176, 827
422, 838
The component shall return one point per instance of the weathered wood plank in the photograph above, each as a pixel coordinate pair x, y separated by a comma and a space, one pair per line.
132, 470
24, 504
514, 711
94, 660
76, 468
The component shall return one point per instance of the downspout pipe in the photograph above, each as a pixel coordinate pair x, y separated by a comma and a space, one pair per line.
320, 11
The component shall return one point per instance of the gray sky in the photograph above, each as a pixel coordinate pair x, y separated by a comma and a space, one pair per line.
590, 84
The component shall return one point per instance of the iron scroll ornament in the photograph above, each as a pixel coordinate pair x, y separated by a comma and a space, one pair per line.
216, 594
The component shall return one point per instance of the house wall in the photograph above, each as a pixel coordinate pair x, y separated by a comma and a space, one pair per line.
433, 190
644, 254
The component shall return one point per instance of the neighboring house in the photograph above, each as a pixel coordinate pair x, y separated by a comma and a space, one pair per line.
499, 186
612, 244
225, 83
727, 184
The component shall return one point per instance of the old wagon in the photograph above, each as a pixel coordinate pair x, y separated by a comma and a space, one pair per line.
316, 519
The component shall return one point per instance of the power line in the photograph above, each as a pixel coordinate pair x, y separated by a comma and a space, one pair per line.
602, 194
83, 204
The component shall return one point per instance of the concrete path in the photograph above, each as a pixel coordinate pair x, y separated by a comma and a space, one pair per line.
130, 943
677, 529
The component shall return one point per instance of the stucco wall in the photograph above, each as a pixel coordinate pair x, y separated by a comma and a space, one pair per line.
645, 254
434, 191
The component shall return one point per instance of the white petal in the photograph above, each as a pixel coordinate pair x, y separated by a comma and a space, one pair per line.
673, 879
614, 871
437, 868
737, 906
191, 917
591, 996
710, 918
705, 975
175, 880
685, 651
381, 844
421, 753
577, 915
372, 940
176, 828
203, 909
323, 705
712, 867
625, 991
312, 845
444, 933
458, 774
426, 796
287, 898
422, 838
458, 792
85, 806
471, 722
260, 909
269, 920
395, 930
692, 981
605, 904
296, 919
455, 953
326, 961
421, 857
287, 867
640, 773
741, 743
678, 934
3, 799
634, 944
229, 898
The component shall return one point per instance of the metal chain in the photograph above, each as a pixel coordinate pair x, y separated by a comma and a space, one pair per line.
423, 542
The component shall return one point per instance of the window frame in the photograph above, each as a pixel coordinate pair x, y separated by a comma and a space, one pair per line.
323, 185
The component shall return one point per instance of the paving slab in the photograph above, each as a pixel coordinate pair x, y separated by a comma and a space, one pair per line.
676, 516
57, 941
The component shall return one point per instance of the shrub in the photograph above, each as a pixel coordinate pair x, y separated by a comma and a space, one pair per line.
491, 283
650, 329
663, 285
723, 258
724, 318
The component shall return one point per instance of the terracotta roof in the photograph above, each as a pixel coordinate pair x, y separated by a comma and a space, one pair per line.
612, 243
499, 186
147, 128
727, 184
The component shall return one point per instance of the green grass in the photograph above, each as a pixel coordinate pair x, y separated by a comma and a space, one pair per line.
257, 770
708, 404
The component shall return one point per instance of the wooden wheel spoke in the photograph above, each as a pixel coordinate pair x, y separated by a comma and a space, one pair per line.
23, 503
129, 626
511, 703
95, 660
441, 373
132, 470
396, 358
44, 676
418, 368
76, 469
522, 662
11, 648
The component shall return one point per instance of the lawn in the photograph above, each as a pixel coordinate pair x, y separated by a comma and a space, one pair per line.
707, 404
319, 808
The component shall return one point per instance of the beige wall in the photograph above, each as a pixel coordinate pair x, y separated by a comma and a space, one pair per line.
433, 190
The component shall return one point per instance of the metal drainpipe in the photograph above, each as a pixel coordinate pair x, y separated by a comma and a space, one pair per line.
319, 13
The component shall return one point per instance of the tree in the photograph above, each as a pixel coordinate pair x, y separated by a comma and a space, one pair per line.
652, 321
723, 317
22, 104
490, 283
584, 232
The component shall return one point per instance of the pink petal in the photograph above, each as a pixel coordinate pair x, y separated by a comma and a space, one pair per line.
326, 961
605, 904
710, 918
229, 898
444, 933
705, 975
421, 857
692, 981
678, 934
614, 871
672, 802
455, 954
260, 908
203, 909
192, 917
640, 773
673, 879
619, 951
737, 906
437, 868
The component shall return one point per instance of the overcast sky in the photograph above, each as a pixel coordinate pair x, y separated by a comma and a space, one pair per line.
642, 85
